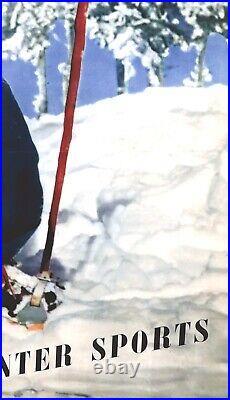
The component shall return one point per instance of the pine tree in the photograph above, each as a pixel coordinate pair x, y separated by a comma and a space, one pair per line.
137, 29
158, 26
25, 29
29, 26
109, 25
205, 18
8, 28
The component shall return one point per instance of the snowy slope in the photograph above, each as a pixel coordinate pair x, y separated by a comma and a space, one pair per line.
141, 239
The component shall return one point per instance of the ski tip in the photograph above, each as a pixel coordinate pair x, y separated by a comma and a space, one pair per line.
35, 327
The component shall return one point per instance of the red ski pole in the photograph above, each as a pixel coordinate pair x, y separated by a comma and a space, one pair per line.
76, 62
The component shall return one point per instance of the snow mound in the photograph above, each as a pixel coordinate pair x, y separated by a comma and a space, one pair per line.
141, 237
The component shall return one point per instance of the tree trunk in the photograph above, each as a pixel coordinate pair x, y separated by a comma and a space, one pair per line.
155, 75
41, 100
69, 29
200, 62
120, 70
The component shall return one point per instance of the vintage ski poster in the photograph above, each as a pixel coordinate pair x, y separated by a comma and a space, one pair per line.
114, 199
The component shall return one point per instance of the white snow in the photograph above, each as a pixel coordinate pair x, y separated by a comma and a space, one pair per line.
141, 239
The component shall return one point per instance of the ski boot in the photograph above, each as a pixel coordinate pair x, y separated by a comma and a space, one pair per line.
25, 300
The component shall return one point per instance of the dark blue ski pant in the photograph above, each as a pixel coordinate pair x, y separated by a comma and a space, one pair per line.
22, 197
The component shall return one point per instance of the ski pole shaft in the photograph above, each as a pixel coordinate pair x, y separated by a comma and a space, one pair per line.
76, 62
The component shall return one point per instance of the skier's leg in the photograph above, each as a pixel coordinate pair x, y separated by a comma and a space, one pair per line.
21, 188
11, 248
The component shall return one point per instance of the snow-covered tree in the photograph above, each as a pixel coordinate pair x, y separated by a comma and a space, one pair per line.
66, 11
142, 29
205, 18
108, 24
157, 27
26, 28
148, 29
8, 27
26, 31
